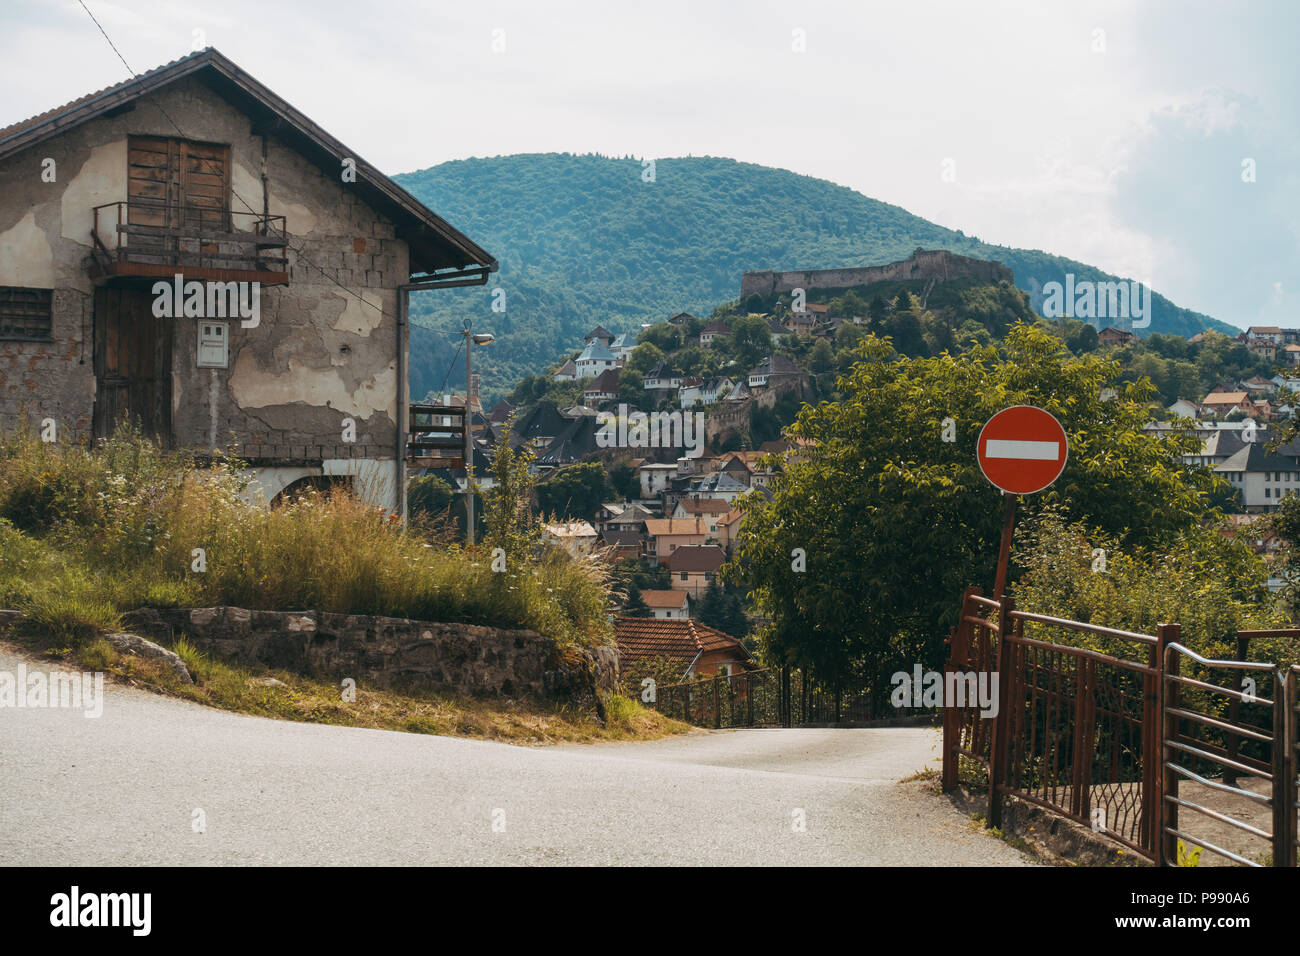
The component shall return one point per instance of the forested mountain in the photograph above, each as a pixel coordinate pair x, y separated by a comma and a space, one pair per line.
586, 240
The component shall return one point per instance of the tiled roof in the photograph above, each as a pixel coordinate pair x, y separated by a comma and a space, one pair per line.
571, 529
596, 352
642, 637
696, 557
662, 526
1255, 458
718, 481
776, 365
606, 382
664, 599
663, 370
620, 539
439, 246
1224, 398
39, 118
704, 506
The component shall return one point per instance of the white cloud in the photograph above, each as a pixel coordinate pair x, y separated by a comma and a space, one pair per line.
1045, 131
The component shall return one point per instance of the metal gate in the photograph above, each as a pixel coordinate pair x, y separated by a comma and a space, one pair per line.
1124, 739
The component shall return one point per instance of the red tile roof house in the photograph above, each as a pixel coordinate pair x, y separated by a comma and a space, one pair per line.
710, 509
1114, 336
668, 605
697, 648
694, 567
1221, 403
197, 170
666, 535
729, 528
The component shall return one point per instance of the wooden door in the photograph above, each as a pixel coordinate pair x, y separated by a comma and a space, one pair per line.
132, 363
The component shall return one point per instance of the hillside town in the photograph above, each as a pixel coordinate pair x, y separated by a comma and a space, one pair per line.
596, 508
677, 514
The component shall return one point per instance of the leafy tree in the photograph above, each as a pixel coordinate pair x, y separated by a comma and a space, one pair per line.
508, 505
821, 359
846, 306
895, 522
750, 340
663, 336
690, 360
635, 605
971, 332
1285, 523
430, 496
576, 491
630, 390
1212, 585
722, 608
625, 481
644, 357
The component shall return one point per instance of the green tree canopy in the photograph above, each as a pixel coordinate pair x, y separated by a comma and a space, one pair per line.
894, 522
576, 491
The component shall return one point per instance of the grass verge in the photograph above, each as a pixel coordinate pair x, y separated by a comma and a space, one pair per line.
283, 695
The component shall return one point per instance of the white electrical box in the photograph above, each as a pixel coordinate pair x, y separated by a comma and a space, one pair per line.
214, 345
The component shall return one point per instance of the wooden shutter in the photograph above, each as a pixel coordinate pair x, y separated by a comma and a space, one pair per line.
175, 182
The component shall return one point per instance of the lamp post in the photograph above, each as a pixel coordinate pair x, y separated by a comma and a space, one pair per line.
471, 339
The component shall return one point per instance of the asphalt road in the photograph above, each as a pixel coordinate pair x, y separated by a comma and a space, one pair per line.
124, 788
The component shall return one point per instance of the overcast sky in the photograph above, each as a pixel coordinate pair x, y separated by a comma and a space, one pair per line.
1114, 133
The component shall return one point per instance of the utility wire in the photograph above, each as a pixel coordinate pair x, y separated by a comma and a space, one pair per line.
297, 250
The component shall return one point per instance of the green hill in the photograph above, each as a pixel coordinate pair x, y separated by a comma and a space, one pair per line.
583, 240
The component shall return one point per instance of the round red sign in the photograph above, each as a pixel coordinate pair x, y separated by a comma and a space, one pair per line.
1022, 449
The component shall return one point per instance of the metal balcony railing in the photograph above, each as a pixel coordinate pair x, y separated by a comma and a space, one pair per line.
147, 238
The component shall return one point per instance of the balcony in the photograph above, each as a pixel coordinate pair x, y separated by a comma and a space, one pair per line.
159, 240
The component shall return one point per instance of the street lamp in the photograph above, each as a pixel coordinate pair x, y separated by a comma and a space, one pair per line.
471, 338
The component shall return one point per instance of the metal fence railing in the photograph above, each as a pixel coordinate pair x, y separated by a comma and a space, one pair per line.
771, 697
1109, 729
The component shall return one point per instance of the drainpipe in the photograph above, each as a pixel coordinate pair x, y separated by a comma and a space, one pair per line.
403, 400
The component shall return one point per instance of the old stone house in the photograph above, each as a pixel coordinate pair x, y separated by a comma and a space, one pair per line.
187, 251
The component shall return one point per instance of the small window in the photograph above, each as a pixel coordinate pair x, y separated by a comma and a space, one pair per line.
685, 576
214, 347
26, 313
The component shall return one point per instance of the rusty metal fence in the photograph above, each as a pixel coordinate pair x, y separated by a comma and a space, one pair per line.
772, 697
1114, 735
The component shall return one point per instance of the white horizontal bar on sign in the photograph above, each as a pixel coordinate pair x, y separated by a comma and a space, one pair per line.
1033, 450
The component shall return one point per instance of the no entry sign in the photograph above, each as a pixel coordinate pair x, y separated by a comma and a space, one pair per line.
1022, 449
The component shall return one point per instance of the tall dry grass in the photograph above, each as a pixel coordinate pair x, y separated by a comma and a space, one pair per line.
87, 534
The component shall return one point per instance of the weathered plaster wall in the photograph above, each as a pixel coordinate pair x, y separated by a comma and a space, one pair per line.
318, 355
49, 379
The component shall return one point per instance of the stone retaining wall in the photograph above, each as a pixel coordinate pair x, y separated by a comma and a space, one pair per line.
390, 652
